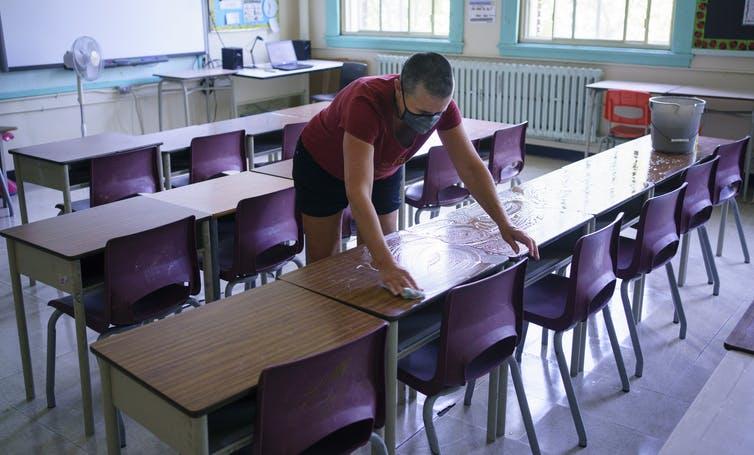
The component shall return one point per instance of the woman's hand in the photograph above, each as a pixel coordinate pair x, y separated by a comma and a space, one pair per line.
395, 278
512, 235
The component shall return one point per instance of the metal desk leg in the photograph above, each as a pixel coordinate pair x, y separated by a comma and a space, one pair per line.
589, 122
23, 334
186, 104
20, 190
747, 166
166, 169
66, 190
391, 386
206, 97
111, 418
4, 179
250, 152
402, 208
210, 288
82, 345
159, 103
233, 108
502, 398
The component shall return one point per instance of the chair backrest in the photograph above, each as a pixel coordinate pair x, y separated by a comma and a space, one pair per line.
160, 262
627, 107
326, 403
730, 169
264, 222
215, 154
124, 174
481, 325
508, 152
350, 71
592, 281
658, 233
291, 133
440, 173
697, 205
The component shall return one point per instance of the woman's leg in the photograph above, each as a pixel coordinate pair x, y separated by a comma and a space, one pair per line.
388, 223
322, 236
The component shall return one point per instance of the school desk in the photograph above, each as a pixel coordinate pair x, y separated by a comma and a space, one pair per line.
51, 251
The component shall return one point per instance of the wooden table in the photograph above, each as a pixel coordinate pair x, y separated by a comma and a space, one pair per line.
305, 112
4, 176
203, 76
49, 164
51, 251
282, 169
212, 356
220, 197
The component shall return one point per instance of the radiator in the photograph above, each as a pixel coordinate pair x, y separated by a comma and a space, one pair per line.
552, 98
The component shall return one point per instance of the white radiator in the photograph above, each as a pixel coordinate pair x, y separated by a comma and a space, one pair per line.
552, 98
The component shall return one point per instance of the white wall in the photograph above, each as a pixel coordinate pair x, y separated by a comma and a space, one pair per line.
481, 42
54, 117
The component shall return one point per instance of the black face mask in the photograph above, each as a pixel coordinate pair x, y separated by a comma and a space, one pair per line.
421, 123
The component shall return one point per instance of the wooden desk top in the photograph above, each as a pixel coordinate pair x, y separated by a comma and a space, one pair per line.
191, 75
282, 169
711, 92
475, 130
84, 148
305, 111
265, 71
435, 265
220, 196
79, 234
213, 355
648, 87
5, 129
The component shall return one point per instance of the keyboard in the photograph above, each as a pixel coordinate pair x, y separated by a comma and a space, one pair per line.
292, 66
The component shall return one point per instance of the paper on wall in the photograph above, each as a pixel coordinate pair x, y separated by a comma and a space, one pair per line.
252, 11
482, 11
230, 4
232, 18
749, 13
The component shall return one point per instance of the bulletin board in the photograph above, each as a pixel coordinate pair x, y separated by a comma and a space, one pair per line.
726, 25
243, 14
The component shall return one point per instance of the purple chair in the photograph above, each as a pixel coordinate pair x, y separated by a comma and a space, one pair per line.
508, 154
347, 228
268, 234
291, 133
329, 403
213, 155
120, 176
728, 182
657, 239
559, 303
139, 286
481, 325
349, 72
440, 187
697, 210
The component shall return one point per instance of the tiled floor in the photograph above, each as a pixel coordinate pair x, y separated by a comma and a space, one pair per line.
616, 422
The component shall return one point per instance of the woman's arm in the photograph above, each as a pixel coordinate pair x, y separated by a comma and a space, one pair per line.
358, 159
478, 181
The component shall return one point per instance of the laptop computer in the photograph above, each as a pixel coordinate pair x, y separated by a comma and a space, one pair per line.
283, 56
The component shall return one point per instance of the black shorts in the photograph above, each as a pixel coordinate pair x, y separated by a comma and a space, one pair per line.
319, 194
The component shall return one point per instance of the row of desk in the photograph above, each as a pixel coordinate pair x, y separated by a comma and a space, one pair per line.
555, 209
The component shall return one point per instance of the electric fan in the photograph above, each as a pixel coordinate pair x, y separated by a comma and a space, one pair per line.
85, 58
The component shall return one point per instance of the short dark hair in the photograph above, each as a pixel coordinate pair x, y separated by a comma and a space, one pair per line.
431, 70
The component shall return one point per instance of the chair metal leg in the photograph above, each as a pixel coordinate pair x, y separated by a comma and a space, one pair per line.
411, 394
229, 289
545, 336
401, 392
492, 405
523, 404
684, 259
721, 233
616, 348
713, 267
502, 398
469, 392
741, 235
572, 403
378, 444
706, 259
676, 299
298, 262
578, 330
51, 350
429, 426
582, 346
434, 213
417, 215
632, 329
522, 341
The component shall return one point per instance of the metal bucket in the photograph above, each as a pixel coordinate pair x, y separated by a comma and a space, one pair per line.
675, 122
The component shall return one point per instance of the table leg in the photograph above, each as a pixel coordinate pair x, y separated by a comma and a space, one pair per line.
402, 208
166, 169
210, 289
250, 152
233, 108
502, 398
214, 251
492, 405
4, 178
20, 190
589, 122
66, 190
23, 334
186, 104
111, 418
82, 345
391, 386
199, 435
206, 97
747, 166
159, 103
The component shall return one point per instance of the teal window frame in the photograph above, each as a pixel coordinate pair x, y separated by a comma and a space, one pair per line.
452, 44
679, 54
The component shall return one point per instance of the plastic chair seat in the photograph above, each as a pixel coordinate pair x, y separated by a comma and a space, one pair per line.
268, 261
151, 306
417, 370
323, 97
545, 303
626, 247
727, 192
446, 196
627, 132
700, 215
179, 180
232, 423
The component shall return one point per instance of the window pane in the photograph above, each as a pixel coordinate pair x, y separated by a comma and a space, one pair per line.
600, 19
563, 19
442, 17
360, 15
421, 16
635, 28
660, 21
395, 16
539, 19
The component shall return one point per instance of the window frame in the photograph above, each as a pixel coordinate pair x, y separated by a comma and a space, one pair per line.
677, 55
334, 36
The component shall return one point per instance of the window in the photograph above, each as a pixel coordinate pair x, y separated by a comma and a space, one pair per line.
430, 18
631, 23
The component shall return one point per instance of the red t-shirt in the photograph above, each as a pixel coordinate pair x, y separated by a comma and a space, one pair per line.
365, 109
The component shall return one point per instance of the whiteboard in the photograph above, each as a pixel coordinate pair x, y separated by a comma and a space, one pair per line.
37, 33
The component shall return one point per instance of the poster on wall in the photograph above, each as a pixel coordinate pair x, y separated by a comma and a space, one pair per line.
243, 14
724, 25
749, 13
481, 11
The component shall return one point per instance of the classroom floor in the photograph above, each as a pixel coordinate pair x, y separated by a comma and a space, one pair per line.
616, 422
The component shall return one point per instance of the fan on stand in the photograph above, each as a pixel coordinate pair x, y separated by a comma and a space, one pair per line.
85, 58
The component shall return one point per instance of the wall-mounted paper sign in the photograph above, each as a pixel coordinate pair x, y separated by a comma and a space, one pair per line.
749, 12
232, 18
482, 11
